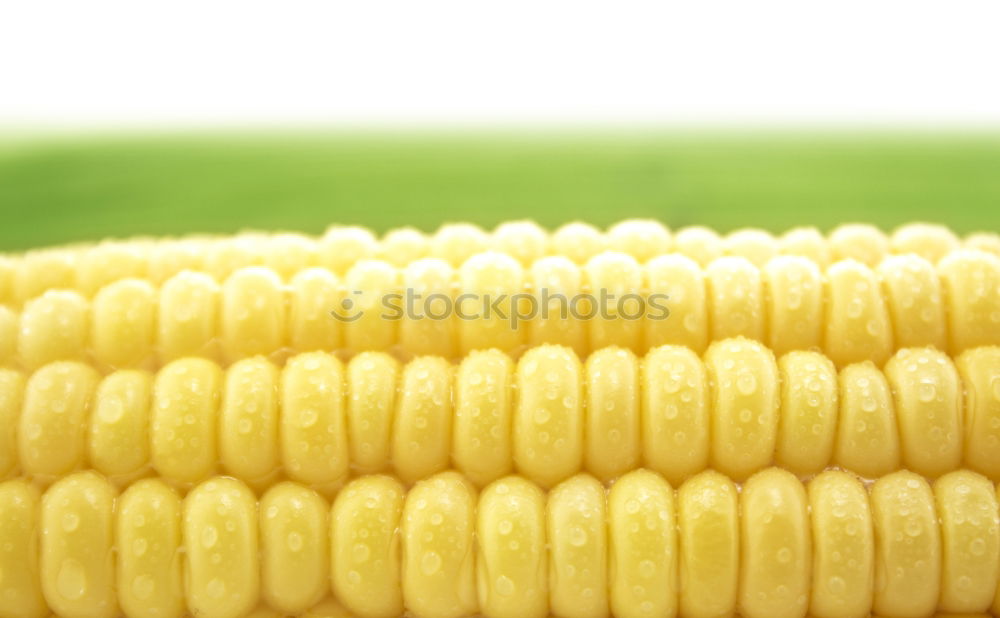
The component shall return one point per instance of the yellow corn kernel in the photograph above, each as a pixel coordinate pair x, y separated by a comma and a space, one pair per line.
39, 271
615, 307
109, 262
421, 437
735, 299
341, 247
295, 547
642, 545
328, 608
364, 559
979, 369
983, 241
313, 435
371, 380
556, 282
907, 546
793, 289
77, 537
220, 539
252, 314
511, 561
368, 284
169, 257
683, 282
857, 320
867, 440
611, 432
148, 539
185, 414
643, 239
488, 282
929, 241
403, 245
776, 551
843, 546
578, 241
438, 569
123, 323
971, 281
927, 397
525, 241
481, 446
287, 254
428, 324
186, 318
11, 399
313, 294
743, 379
51, 435
457, 242
20, 587
912, 292
576, 527
807, 242
248, 420
859, 241
54, 327
8, 336
118, 438
970, 541
709, 545
699, 243
548, 418
224, 256
675, 411
808, 419
755, 245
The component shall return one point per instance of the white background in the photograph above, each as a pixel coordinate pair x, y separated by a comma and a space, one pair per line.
133, 63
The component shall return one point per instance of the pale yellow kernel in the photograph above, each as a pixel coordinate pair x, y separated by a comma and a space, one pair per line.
776, 549
222, 561
295, 547
611, 430
525, 241
371, 406
457, 242
709, 545
511, 557
76, 534
12, 385
109, 262
735, 299
187, 316
548, 424
313, 295
808, 420
857, 319
367, 306
252, 314
675, 411
38, 271
858, 241
488, 314
616, 307
123, 323
403, 245
427, 324
481, 444
867, 437
287, 253
971, 284
421, 437
643, 239
54, 326
699, 243
20, 586
184, 419
341, 247
979, 369
807, 242
793, 289
912, 291
555, 281
438, 567
576, 528
118, 438
365, 559
578, 241
9, 327
930, 241
248, 420
907, 546
52, 430
677, 303
755, 245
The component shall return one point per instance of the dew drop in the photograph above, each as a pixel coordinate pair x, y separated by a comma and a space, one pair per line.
504, 586
209, 536
143, 586
71, 582
430, 563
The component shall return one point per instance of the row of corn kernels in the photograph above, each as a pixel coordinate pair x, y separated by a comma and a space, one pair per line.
89, 268
773, 548
546, 416
850, 311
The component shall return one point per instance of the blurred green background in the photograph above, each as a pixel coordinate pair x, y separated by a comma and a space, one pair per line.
61, 189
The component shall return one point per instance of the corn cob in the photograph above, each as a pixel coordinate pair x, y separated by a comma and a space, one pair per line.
546, 416
88, 268
868, 313
777, 548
